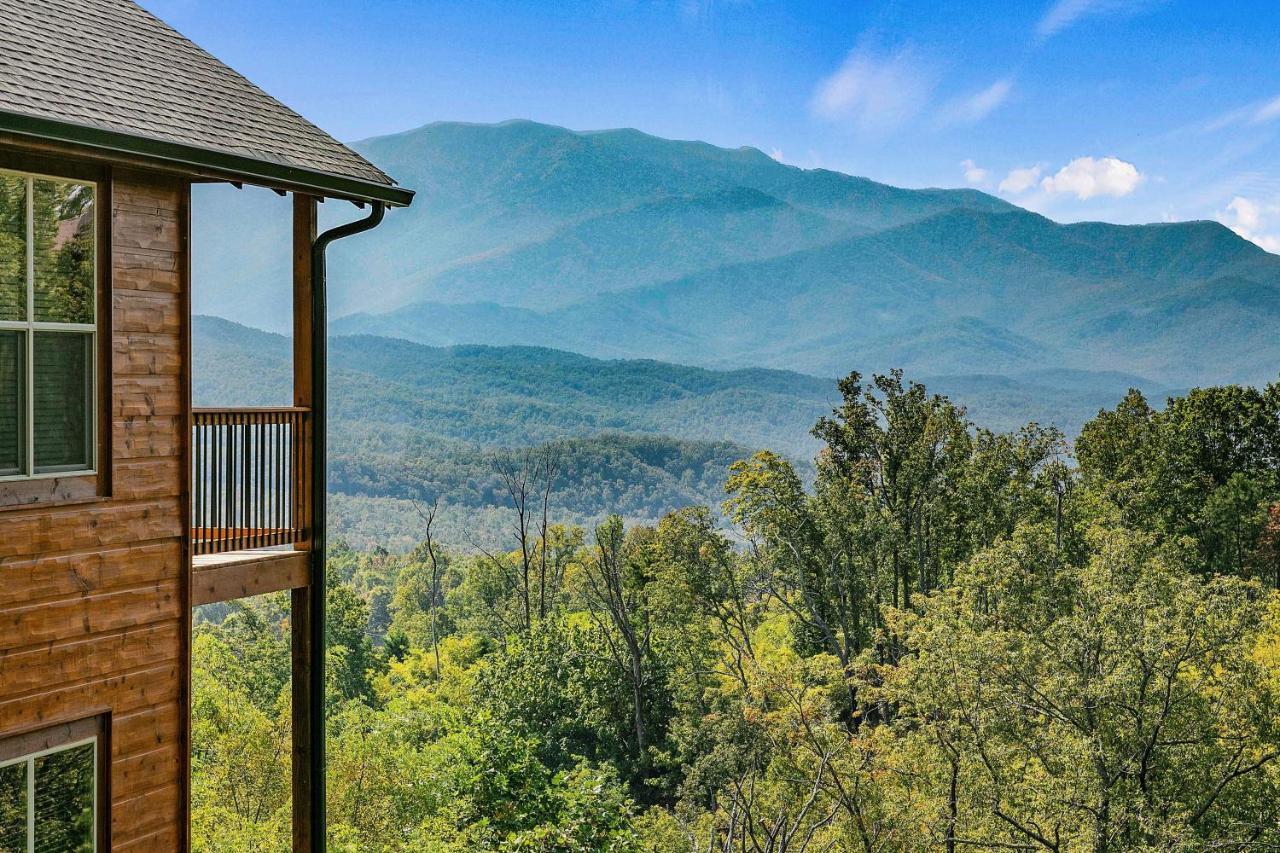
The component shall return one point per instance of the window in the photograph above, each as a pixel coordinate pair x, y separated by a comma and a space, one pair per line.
48, 331
49, 797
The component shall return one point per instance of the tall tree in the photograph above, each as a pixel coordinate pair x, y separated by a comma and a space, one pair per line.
617, 594
904, 449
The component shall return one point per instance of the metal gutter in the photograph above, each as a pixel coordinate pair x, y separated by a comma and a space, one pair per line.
319, 506
195, 158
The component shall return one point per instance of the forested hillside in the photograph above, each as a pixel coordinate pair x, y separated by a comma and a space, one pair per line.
413, 423
953, 641
637, 437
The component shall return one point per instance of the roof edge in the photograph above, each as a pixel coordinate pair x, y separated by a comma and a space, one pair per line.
226, 164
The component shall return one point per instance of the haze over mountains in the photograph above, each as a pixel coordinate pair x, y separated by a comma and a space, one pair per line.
413, 422
618, 244
557, 249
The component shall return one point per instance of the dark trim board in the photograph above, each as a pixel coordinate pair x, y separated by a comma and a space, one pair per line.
192, 159
187, 579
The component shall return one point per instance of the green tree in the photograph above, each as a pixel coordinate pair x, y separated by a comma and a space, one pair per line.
1117, 705
352, 662
904, 449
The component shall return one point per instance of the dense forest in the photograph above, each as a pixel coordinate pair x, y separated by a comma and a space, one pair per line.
638, 437
943, 638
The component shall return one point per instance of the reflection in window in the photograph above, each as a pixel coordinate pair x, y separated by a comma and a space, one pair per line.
62, 815
48, 310
63, 227
63, 811
13, 248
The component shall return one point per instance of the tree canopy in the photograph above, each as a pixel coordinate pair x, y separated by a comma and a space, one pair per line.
951, 638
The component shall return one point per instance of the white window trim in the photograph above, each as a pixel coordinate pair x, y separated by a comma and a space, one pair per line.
30, 761
30, 326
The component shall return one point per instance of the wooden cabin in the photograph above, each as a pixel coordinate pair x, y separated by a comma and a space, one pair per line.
121, 506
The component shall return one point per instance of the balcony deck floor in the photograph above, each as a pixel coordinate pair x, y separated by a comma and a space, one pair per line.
240, 574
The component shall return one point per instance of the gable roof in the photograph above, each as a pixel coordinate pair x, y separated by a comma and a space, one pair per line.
109, 75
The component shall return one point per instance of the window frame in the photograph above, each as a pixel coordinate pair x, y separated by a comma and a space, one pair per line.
79, 484
26, 747
30, 327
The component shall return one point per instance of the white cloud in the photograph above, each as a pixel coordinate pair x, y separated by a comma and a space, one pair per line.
1064, 13
1267, 112
875, 93
1086, 177
695, 11
776, 153
974, 174
1258, 112
1020, 180
976, 107
1253, 221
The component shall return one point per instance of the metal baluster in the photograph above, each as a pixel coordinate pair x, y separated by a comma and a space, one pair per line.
196, 482
260, 473
220, 488
233, 481
277, 517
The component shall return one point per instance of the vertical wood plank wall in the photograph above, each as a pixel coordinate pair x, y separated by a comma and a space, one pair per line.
94, 596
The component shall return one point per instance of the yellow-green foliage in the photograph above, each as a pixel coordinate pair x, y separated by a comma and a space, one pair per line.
954, 641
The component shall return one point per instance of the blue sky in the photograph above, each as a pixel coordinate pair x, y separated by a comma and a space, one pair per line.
1122, 110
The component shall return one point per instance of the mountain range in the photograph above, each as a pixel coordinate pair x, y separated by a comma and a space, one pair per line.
412, 422
616, 244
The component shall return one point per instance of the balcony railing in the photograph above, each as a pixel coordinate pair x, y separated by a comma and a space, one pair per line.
250, 478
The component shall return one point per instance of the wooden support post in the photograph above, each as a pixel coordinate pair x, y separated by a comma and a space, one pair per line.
300, 622
304, 234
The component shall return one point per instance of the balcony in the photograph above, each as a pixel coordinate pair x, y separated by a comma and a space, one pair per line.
250, 501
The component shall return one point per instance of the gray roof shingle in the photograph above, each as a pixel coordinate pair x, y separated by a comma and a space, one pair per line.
113, 66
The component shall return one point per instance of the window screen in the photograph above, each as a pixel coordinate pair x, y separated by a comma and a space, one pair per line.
61, 369
63, 814
48, 336
12, 408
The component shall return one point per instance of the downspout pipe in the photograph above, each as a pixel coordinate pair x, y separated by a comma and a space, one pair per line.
319, 507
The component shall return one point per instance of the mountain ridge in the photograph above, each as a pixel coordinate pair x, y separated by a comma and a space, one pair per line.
410, 421
619, 244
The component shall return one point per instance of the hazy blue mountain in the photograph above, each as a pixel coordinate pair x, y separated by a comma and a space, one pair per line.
961, 292
571, 214
646, 244
616, 244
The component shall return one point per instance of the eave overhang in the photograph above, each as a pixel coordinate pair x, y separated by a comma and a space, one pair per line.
202, 162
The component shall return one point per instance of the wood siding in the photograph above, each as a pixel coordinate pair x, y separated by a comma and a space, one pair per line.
95, 594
